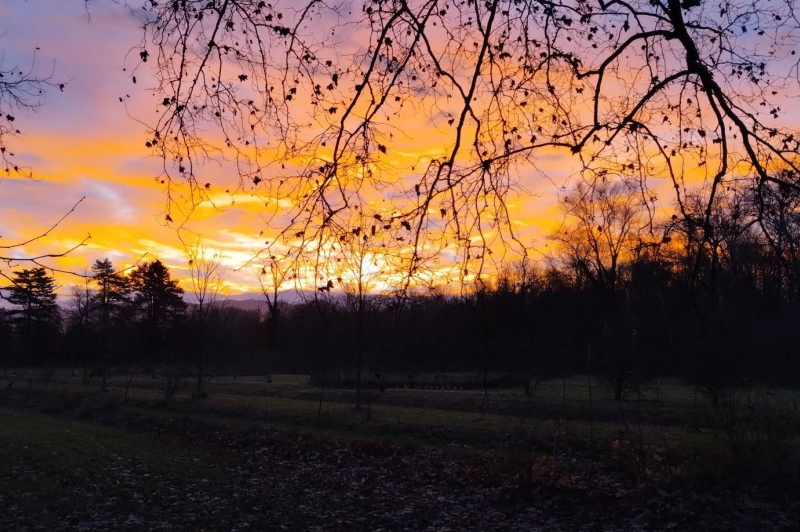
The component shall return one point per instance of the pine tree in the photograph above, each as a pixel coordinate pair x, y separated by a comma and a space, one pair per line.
112, 294
113, 289
158, 300
37, 317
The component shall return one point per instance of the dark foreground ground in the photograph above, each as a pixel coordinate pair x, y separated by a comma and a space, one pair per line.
100, 464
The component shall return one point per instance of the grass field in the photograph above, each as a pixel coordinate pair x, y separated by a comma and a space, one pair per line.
290, 399
74, 458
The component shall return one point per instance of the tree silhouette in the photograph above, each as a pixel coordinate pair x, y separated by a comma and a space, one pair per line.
521, 320
82, 297
276, 271
603, 230
113, 290
158, 301
778, 208
602, 227
17, 256
206, 275
23, 91
358, 260
37, 317
657, 89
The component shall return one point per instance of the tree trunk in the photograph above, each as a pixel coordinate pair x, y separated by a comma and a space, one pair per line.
200, 372
618, 389
360, 357
104, 369
104, 352
360, 361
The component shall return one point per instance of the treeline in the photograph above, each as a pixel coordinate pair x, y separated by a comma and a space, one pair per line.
115, 320
133, 315
711, 295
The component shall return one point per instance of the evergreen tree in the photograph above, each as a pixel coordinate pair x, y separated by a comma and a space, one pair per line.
112, 294
113, 290
37, 317
159, 302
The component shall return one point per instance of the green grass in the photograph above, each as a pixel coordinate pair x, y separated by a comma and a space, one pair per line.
674, 417
64, 445
464, 431
67, 427
71, 456
63, 458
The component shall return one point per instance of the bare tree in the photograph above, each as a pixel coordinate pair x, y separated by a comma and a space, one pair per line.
276, 271
712, 237
778, 207
603, 228
207, 278
359, 260
305, 97
82, 297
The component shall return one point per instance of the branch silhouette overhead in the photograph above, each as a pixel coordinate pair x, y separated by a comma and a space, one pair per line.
316, 104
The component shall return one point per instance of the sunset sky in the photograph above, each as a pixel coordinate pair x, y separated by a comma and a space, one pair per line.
84, 142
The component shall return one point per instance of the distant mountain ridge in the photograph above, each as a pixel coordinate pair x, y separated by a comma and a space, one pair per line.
245, 301
259, 305
255, 301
